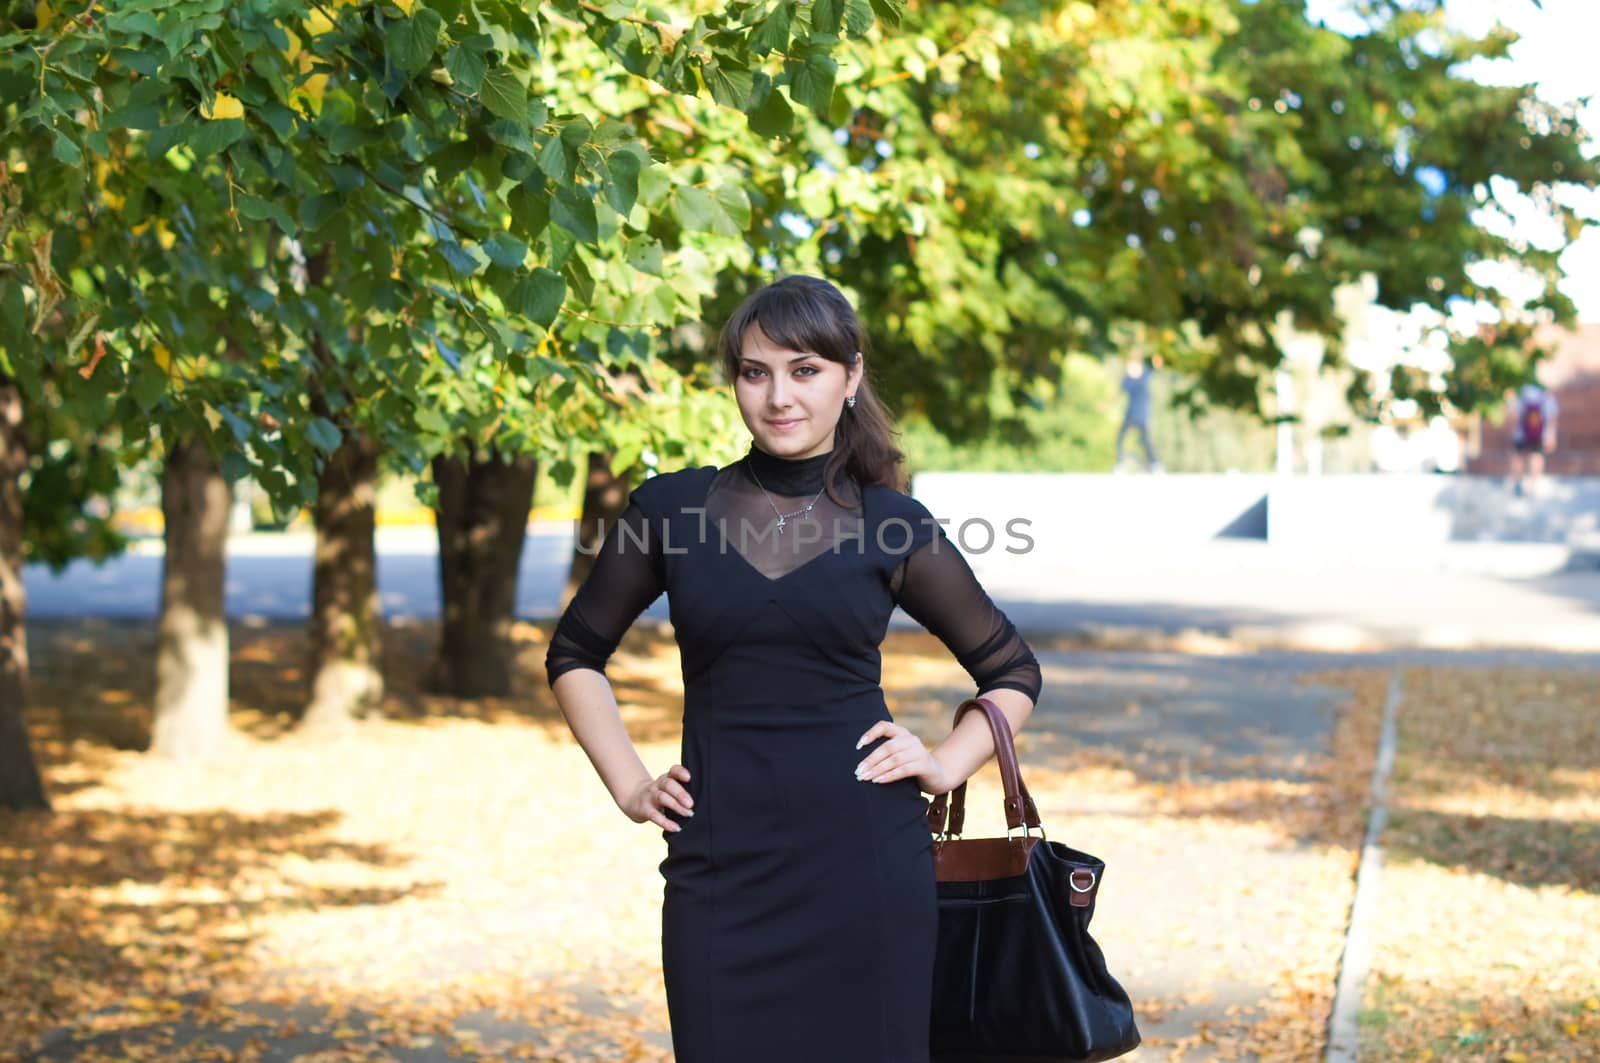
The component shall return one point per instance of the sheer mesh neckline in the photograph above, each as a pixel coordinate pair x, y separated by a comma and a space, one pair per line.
747, 497
933, 583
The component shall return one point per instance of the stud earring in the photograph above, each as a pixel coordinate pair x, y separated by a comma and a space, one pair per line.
850, 401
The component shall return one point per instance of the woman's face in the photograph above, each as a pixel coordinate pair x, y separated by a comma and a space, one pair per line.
791, 400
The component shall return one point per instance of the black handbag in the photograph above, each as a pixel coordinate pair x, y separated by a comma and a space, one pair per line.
1017, 978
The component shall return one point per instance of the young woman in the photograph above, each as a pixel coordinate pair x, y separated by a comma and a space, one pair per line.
799, 913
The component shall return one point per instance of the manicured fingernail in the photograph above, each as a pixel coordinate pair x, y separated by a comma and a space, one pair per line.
861, 743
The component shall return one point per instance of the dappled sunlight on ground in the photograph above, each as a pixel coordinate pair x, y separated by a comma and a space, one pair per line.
453, 877
1487, 945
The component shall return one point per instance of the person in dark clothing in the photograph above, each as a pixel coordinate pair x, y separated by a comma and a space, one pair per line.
1534, 412
800, 910
1136, 380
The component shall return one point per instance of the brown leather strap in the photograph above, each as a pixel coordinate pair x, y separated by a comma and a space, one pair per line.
1019, 807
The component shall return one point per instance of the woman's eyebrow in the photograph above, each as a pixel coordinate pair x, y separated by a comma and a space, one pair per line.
792, 361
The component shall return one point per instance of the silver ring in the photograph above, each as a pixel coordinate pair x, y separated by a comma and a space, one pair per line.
1072, 880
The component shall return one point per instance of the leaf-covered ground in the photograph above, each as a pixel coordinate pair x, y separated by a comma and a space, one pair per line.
451, 880
1488, 933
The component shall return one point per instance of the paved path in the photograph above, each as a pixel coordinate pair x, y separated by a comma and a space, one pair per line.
1187, 715
1249, 594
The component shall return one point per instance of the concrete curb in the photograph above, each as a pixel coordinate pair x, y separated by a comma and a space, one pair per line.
1331, 637
1343, 1026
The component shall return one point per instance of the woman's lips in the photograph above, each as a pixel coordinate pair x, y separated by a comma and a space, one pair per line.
783, 425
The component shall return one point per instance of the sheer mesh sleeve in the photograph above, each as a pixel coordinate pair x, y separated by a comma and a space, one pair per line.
628, 575
937, 588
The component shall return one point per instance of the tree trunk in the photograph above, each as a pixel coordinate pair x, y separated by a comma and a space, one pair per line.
482, 520
20, 784
345, 650
191, 703
604, 498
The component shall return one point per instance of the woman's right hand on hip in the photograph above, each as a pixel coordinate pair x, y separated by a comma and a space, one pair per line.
653, 799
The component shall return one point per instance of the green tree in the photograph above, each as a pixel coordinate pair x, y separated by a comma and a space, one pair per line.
359, 225
999, 185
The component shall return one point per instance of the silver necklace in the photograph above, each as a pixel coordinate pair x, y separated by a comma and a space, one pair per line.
782, 517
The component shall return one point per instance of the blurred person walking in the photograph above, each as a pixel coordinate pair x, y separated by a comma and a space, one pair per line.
1136, 379
1533, 434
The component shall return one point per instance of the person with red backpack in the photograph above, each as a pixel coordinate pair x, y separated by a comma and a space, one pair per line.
1533, 432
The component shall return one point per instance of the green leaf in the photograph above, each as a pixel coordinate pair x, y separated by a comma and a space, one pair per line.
693, 207
622, 191
141, 22
772, 35
735, 204
347, 138
464, 259
562, 243
538, 296
280, 119
858, 17
504, 96
148, 385
513, 135
431, 420
730, 85
324, 435
208, 138
65, 150
139, 116
647, 256
811, 84
775, 117
315, 211
655, 184
530, 210
411, 41
519, 166
556, 161
163, 140
888, 11
147, 64
826, 15
467, 66
258, 209
574, 212
579, 279
505, 250
450, 161
665, 298
235, 467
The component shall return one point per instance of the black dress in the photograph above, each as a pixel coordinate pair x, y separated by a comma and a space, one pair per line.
799, 911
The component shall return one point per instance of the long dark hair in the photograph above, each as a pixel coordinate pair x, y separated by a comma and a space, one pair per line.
804, 313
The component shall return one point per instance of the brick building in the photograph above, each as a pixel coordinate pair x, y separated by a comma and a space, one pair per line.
1573, 374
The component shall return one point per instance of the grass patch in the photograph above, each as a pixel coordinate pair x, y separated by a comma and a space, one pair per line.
1487, 944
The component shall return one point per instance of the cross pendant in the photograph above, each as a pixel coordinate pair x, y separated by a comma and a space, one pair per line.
780, 524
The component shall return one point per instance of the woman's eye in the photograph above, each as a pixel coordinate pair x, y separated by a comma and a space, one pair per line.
805, 370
